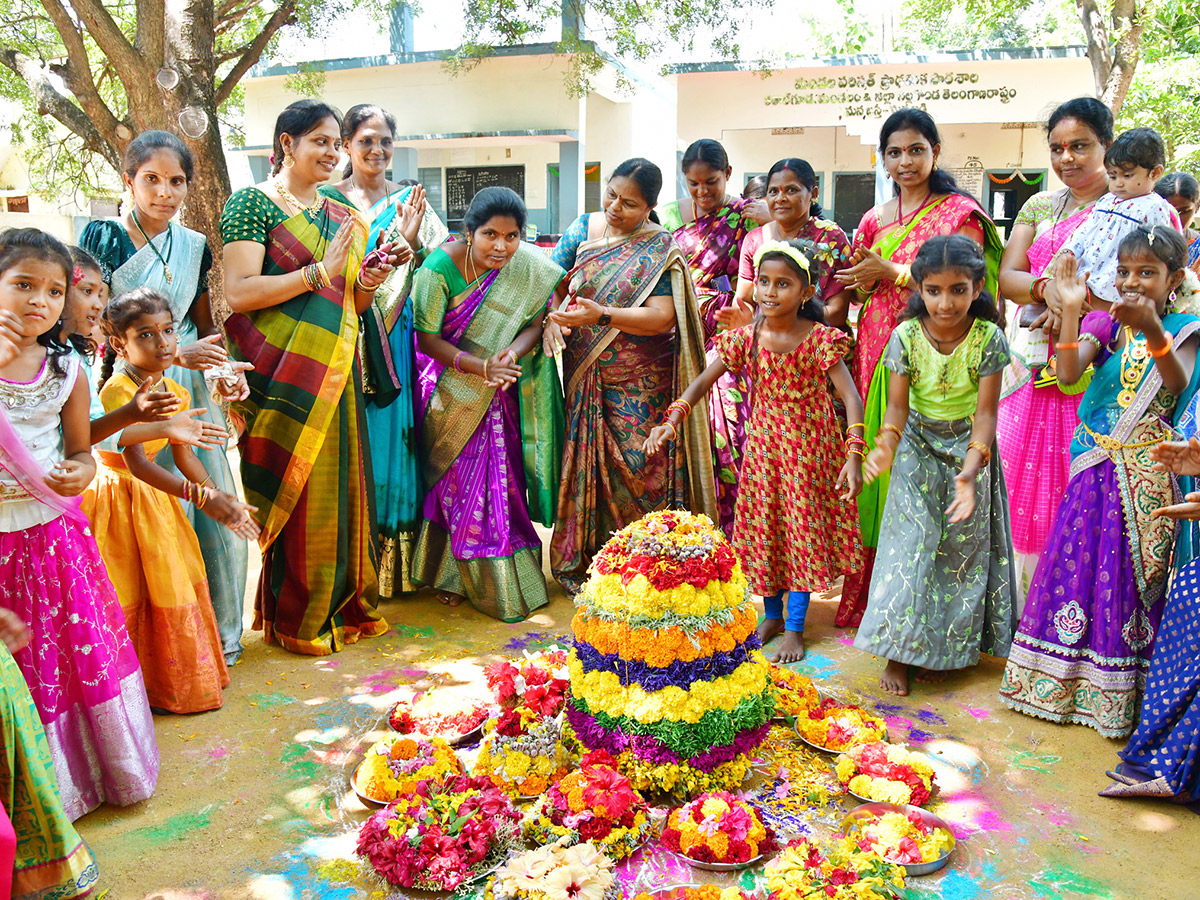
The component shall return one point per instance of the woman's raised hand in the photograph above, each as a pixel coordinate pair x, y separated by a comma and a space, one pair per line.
202, 354
866, 268
735, 315
412, 214
579, 311
338, 251
185, 428
502, 370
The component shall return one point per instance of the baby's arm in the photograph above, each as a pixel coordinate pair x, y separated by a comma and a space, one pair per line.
696, 391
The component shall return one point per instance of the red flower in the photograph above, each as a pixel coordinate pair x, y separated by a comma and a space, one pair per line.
509, 723
703, 853
599, 758
670, 839
739, 851
843, 876
595, 829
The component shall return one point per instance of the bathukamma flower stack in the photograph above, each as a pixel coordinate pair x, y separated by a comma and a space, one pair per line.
666, 672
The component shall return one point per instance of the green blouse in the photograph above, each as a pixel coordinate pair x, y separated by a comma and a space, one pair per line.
435, 284
942, 386
250, 215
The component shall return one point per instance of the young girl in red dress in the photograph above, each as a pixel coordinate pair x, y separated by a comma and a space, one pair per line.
795, 528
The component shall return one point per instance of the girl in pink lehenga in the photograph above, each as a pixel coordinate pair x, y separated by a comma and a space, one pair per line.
80, 665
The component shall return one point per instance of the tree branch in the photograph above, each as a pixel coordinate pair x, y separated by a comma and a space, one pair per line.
281, 17
1098, 52
76, 72
51, 102
110, 39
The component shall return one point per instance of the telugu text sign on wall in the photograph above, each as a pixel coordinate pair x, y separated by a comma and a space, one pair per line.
876, 94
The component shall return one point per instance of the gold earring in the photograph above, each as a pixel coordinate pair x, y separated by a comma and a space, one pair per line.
288, 161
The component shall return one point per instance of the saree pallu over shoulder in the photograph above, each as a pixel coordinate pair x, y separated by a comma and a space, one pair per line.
624, 276
303, 356
516, 295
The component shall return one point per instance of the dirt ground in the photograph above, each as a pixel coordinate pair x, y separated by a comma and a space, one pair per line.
254, 799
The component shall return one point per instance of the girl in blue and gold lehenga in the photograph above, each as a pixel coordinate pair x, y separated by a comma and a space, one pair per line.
144, 248
400, 214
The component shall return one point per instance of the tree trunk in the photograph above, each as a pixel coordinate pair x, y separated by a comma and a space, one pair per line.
1113, 64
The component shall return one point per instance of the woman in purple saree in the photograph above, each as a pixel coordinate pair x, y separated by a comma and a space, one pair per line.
491, 428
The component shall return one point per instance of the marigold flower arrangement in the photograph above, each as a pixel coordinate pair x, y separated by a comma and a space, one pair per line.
837, 871
398, 765
579, 872
667, 675
833, 725
718, 828
794, 694
704, 892
425, 718
889, 773
524, 757
442, 837
900, 838
594, 803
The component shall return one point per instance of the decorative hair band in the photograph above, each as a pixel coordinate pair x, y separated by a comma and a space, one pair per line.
781, 247
1150, 236
76, 275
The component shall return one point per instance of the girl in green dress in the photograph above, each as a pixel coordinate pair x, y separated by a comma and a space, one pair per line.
943, 587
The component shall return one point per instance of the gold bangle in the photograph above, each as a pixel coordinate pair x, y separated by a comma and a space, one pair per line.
905, 276
326, 280
984, 450
887, 428
485, 372
358, 283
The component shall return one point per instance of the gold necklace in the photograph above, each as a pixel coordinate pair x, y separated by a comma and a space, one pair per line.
1134, 359
288, 197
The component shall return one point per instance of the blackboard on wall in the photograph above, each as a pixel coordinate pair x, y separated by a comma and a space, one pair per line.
462, 184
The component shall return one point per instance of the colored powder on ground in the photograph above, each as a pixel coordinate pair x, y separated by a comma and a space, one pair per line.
268, 700
1061, 883
176, 828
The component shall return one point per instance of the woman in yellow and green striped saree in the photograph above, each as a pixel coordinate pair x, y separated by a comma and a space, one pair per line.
305, 462
490, 415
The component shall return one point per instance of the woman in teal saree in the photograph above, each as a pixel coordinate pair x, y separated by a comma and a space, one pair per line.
144, 248
490, 420
397, 214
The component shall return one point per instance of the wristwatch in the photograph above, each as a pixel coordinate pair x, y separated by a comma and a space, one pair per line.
605, 319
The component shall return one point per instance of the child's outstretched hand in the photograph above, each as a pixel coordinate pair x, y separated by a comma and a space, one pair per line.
185, 428
1140, 315
1180, 457
233, 514
1069, 287
1189, 509
658, 436
153, 406
69, 477
963, 505
852, 477
878, 461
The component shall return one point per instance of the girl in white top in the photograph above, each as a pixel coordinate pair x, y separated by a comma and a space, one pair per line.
80, 665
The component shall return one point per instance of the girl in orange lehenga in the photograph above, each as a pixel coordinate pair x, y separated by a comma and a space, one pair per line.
152, 553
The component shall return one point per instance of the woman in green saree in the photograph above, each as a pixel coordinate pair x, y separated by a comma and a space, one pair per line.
400, 215
490, 425
297, 282
632, 340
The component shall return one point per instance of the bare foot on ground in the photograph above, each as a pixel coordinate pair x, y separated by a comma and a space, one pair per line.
768, 628
791, 648
448, 599
894, 679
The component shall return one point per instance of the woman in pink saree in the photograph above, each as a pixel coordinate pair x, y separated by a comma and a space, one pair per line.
927, 203
1038, 416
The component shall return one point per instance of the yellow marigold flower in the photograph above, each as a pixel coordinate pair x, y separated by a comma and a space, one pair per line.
845, 769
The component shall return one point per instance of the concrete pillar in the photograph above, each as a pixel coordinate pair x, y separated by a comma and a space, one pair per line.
404, 163
400, 28
570, 182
